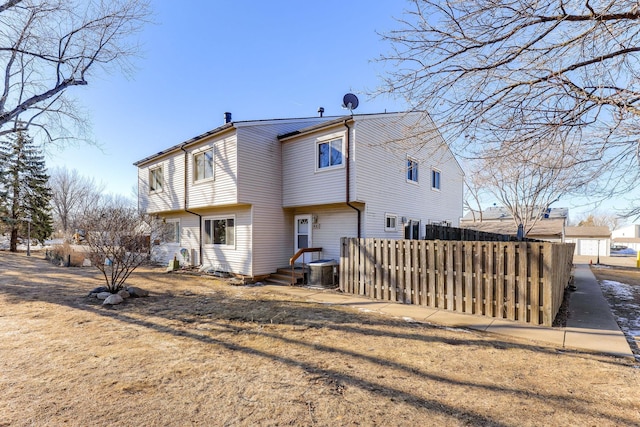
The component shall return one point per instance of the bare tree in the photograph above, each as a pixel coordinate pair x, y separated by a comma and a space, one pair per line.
598, 219
118, 239
505, 75
529, 181
473, 190
72, 194
49, 46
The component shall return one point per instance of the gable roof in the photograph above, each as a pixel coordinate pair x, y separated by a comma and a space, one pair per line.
548, 227
228, 126
602, 232
335, 121
498, 213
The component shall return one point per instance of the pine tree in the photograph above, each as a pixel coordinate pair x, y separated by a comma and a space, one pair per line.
24, 190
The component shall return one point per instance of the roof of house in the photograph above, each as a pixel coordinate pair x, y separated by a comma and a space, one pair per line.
543, 228
587, 232
497, 213
322, 122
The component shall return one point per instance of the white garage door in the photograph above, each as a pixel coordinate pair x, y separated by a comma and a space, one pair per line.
588, 247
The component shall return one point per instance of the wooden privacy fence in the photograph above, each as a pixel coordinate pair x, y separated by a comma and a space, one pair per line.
522, 281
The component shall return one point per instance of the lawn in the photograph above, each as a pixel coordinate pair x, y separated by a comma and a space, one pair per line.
199, 351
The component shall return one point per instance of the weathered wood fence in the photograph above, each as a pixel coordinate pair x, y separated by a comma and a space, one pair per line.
522, 281
444, 232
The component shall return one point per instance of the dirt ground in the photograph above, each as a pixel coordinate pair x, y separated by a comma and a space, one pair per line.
201, 352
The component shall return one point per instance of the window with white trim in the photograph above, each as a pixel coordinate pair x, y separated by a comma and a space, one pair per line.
329, 153
435, 179
203, 165
390, 222
219, 231
155, 179
412, 170
171, 231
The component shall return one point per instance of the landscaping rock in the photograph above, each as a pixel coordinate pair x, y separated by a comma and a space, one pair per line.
124, 294
103, 295
86, 263
137, 292
113, 299
96, 291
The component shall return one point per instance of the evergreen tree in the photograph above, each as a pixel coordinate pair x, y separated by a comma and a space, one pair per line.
24, 190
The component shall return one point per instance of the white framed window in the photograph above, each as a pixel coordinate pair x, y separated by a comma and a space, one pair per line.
219, 231
329, 154
412, 170
171, 231
156, 179
412, 229
435, 179
203, 165
390, 222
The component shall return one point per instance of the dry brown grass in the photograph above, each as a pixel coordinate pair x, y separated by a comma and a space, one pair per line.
201, 352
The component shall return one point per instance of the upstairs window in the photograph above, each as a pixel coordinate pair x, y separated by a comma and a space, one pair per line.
219, 231
412, 170
435, 179
155, 179
330, 154
203, 165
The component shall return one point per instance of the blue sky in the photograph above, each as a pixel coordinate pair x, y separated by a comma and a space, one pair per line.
256, 59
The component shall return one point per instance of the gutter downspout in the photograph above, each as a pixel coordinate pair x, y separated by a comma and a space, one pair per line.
348, 180
186, 179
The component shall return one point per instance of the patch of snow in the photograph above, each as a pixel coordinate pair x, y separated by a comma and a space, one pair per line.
409, 319
624, 306
620, 290
625, 251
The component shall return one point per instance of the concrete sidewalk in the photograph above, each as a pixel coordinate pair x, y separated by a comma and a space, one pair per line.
591, 325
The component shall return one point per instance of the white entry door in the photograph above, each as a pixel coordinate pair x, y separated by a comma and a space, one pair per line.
302, 236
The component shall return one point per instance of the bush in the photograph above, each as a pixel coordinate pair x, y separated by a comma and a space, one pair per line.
65, 253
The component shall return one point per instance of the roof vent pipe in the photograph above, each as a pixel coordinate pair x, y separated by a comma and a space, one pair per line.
227, 117
321, 111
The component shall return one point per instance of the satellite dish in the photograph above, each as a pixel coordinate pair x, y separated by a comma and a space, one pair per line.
350, 101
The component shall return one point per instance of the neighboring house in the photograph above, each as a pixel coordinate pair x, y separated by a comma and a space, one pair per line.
244, 197
628, 237
591, 241
498, 220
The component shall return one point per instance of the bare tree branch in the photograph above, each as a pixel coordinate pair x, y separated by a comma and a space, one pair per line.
502, 76
49, 46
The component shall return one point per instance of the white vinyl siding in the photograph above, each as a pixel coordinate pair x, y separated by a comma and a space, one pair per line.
378, 186
237, 258
223, 190
171, 198
333, 223
176, 241
260, 185
303, 183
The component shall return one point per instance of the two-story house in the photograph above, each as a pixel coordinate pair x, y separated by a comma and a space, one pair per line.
244, 197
